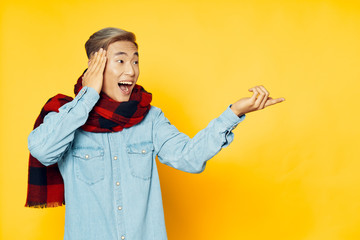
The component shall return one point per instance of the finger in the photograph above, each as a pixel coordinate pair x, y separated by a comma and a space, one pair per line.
92, 62
260, 97
255, 93
84, 76
262, 104
272, 101
97, 59
103, 64
100, 66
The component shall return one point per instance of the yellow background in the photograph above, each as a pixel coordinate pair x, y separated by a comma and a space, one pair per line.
292, 171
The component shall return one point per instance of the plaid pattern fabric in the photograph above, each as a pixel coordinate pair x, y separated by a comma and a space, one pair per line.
45, 184
111, 116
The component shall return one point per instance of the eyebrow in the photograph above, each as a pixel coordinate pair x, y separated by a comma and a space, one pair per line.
124, 53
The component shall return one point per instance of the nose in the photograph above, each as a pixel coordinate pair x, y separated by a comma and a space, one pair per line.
129, 69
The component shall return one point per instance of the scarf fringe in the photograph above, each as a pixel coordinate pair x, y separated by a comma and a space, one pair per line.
44, 205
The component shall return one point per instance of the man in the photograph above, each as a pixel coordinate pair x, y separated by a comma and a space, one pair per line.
105, 140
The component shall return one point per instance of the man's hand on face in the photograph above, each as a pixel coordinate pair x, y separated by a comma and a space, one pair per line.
259, 100
93, 77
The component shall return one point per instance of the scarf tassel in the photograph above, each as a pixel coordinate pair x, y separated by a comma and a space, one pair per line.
44, 205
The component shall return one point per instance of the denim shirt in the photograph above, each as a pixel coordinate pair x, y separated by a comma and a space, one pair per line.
112, 188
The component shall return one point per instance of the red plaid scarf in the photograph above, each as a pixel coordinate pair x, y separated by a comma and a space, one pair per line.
45, 184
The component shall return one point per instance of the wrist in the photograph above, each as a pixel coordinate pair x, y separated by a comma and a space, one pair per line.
96, 88
236, 111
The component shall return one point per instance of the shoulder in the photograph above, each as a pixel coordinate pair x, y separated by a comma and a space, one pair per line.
155, 110
154, 117
153, 113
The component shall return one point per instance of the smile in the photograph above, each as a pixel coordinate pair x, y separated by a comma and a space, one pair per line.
124, 86
125, 83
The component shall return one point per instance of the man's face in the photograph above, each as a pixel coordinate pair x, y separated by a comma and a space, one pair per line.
121, 70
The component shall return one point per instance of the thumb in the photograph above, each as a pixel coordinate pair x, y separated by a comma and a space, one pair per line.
272, 101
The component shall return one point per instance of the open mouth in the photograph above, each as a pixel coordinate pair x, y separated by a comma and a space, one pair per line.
125, 86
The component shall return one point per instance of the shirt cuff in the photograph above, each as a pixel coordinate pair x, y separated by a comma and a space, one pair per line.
230, 120
89, 95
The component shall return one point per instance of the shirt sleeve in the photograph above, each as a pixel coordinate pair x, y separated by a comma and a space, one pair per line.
49, 141
177, 150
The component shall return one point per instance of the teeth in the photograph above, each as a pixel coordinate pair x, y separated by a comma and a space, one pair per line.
128, 83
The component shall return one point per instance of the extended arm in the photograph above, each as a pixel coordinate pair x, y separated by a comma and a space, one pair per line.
190, 155
177, 150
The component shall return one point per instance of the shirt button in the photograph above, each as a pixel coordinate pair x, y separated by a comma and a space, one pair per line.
117, 183
122, 237
143, 151
119, 207
115, 158
86, 156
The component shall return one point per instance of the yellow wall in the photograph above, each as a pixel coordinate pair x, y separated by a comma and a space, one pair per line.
292, 171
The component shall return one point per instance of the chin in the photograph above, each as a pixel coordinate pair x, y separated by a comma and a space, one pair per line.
121, 97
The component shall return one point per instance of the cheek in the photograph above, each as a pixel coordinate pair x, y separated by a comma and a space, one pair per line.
109, 69
137, 70
110, 75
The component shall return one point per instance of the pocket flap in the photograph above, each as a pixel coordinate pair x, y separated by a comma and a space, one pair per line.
88, 153
140, 148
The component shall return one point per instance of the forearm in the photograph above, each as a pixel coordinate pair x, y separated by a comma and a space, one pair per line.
51, 139
190, 154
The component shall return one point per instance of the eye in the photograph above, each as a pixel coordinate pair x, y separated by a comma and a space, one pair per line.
136, 62
120, 61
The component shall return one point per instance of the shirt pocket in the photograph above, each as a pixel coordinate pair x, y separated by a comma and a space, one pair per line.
89, 164
140, 157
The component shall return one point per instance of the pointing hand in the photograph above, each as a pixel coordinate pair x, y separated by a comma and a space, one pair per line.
259, 100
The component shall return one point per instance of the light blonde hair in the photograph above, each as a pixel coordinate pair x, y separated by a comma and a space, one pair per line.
104, 37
